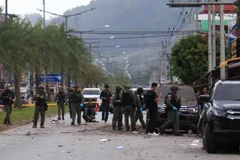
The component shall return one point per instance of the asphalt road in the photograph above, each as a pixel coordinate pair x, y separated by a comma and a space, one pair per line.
61, 141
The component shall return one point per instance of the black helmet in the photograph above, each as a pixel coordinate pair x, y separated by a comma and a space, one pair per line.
139, 90
174, 88
118, 89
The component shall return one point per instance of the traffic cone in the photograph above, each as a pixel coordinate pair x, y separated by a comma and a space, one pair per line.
96, 107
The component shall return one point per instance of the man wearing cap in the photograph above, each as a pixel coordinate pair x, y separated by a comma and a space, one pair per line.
40, 106
61, 98
7, 97
106, 98
129, 105
76, 100
139, 103
173, 104
117, 110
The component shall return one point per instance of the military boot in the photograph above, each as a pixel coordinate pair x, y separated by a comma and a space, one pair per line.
5, 121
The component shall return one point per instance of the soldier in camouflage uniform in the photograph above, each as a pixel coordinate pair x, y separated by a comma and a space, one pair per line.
41, 106
117, 110
173, 104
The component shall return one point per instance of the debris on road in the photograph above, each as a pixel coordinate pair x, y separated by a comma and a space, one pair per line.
28, 134
104, 140
119, 148
60, 145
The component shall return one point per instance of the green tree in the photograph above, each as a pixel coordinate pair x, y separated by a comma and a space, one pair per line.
189, 58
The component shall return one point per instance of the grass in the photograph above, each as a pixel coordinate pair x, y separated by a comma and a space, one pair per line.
25, 114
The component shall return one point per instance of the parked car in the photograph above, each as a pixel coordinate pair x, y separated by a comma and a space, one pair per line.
93, 95
219, 122
189, 111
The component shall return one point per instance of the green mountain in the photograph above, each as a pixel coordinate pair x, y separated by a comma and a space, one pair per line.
128, 15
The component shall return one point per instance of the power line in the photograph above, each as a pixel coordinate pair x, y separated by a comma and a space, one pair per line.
130, 32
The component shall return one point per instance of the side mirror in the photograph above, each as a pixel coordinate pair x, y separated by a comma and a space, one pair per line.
204, 98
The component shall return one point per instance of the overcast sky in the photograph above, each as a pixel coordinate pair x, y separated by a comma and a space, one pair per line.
29, 6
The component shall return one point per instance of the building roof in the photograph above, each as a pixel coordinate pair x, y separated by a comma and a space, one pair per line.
228, 9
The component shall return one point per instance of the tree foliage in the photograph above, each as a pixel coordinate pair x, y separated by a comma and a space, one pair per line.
189, 58
26, 48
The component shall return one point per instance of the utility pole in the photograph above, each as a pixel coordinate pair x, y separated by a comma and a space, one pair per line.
222, 38
209, 44
197, 21
99, 57
6, 10
238, 27
44, 26
213, 36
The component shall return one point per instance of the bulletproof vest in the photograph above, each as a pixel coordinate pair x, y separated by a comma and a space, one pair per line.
41, 101
117, 97
173, 100
76, 97
61, 97
127, 98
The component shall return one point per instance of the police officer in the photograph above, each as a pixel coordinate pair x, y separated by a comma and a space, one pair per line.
139, 102
106, 96
117, 110
40, 99
173, 104
61, 98
129, 104
7, 97
76, 100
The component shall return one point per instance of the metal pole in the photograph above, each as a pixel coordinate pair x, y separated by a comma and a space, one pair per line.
90, 47
238, 28
44, 26
209, 44
44, 13
6, 10
213, 37
222, 38
99, 60
197, 21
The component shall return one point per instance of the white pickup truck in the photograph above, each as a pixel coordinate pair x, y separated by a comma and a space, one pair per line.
93, 95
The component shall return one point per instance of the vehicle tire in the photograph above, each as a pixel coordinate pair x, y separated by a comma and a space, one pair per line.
203, 137
208, 139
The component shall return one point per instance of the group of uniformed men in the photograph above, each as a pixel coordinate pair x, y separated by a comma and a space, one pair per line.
124, 101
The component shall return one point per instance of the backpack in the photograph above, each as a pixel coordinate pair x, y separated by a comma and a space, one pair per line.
127, 98
147, 98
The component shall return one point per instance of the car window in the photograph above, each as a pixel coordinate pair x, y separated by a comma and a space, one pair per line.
91, 92
227, 92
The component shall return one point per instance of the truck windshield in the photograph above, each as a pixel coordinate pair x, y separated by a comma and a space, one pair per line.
91, 92
186, 94
227, 92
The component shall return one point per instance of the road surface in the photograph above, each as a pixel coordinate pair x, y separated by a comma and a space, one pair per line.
61, 141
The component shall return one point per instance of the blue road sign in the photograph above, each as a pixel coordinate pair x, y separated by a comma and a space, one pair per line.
52, 78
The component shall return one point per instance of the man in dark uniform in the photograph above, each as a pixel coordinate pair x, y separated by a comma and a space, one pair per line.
151, 99
76, 100
139, 102
7, 97
40, 99
173, 104
117, 110
61, 99
129, 106
106, 99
